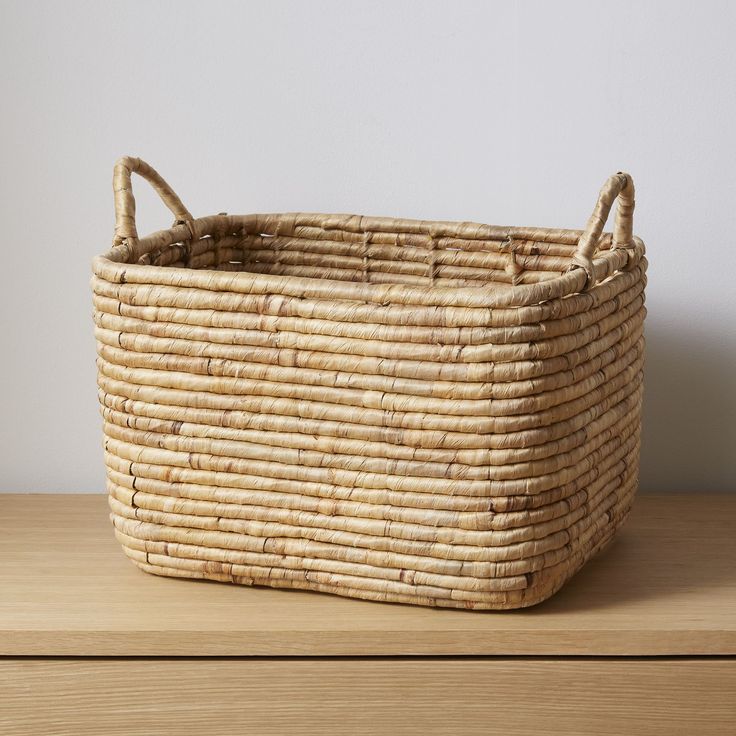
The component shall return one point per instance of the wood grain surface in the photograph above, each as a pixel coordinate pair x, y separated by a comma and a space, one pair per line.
575, 697
666, 586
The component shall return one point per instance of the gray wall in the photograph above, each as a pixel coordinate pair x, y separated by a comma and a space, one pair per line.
508, 113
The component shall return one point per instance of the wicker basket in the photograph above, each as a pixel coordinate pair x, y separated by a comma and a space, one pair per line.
438, 413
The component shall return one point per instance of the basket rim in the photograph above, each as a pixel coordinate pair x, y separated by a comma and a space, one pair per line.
114, 265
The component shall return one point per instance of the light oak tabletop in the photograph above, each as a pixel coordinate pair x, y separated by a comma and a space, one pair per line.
665, 586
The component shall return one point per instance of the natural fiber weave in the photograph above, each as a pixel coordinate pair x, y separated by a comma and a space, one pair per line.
437, 413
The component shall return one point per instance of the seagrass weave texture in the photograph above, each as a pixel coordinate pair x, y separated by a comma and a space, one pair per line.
438, 413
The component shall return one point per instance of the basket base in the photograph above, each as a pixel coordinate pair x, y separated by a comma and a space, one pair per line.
542, 585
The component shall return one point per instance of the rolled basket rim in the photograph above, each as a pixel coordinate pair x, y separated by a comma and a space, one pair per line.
114, 265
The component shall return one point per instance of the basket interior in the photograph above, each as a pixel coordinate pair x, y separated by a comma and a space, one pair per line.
284, 246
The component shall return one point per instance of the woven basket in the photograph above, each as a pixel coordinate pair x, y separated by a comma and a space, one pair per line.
438, 413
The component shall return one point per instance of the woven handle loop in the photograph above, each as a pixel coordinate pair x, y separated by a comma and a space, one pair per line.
619, 186
125, 228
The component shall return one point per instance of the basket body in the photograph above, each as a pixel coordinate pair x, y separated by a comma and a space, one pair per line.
417, 412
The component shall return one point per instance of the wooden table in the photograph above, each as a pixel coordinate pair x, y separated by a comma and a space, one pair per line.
642, 641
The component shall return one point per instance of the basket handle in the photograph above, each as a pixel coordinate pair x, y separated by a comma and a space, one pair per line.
619, 186
125, 228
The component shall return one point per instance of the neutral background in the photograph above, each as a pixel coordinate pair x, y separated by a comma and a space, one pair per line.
506, 113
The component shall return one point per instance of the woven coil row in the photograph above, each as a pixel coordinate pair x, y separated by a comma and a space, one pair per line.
437, 413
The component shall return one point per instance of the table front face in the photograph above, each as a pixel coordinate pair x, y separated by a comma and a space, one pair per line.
132, 697
667, 585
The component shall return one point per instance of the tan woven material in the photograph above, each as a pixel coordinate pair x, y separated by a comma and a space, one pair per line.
437, 413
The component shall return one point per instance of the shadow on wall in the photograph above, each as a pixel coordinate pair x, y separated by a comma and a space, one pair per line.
689, 433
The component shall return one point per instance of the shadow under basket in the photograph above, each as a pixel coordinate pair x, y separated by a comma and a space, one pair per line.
438, 413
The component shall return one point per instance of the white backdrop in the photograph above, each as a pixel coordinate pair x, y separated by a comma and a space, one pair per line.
507, 113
